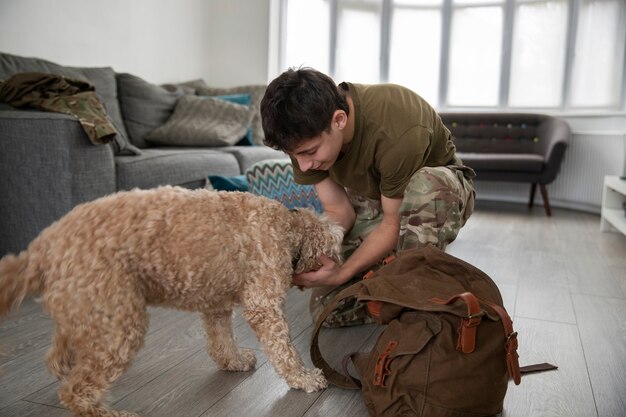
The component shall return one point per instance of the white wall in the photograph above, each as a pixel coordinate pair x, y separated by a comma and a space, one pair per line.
221, 41
239, 34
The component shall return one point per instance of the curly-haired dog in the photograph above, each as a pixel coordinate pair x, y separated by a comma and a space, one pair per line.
100, 266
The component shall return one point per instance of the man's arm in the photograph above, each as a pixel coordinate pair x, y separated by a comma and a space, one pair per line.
336, 203
379, 243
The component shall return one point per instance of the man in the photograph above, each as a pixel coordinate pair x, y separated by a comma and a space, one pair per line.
383, 165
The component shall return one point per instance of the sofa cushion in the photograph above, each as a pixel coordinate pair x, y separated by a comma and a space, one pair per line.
172, 166
103, 79
249, 155
203, 122
522, 162
256, 92
145, 106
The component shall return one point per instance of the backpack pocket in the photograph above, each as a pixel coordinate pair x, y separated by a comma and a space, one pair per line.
394, 375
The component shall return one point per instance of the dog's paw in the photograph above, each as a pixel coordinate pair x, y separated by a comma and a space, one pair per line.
309, 380
245, 361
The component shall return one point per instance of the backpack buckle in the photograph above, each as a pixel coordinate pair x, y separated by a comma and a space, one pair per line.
473, 320
466, 342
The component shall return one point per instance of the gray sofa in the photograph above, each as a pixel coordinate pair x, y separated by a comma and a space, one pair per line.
511, 147
48, 165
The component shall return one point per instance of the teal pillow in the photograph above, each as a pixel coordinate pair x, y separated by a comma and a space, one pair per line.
235, 183
245, 100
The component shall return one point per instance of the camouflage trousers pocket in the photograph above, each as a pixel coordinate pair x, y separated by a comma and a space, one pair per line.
349, 312
436, 204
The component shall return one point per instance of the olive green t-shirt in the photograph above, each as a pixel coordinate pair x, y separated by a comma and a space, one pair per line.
396, 133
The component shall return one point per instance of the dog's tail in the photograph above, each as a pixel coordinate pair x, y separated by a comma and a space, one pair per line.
17, 280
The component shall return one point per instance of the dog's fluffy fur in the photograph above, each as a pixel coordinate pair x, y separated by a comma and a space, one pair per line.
100, 266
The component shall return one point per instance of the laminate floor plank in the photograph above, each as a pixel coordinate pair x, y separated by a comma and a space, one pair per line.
269, 395
264, 393
29, 409
187, 389
603, 332
24, 330
564, 392
164, 348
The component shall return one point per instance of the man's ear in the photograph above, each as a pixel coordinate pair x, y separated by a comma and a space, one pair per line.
340, 119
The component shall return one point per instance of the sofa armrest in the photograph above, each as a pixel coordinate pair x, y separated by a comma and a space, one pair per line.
558, 135
47, 166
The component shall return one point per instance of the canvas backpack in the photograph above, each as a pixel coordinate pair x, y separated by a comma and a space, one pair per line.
448, 348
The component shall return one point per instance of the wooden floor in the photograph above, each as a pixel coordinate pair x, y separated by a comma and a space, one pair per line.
563, 281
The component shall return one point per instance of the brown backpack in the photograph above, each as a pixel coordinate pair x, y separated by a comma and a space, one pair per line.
449, 347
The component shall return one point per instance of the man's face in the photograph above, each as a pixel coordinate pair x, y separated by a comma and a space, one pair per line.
319, 152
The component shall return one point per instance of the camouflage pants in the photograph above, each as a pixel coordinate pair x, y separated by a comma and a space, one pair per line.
436, 204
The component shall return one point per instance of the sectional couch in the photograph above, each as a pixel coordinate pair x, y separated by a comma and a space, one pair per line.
48, 165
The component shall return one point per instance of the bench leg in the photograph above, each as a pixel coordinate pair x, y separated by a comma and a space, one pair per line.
531, 201
544, 196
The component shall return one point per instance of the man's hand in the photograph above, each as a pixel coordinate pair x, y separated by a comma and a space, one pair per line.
327, 274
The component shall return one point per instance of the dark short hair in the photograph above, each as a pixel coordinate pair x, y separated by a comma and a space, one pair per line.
299, 104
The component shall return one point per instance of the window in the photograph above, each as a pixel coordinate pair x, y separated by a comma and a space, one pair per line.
507, 54
475, 53
538, 54
412, 63
308, 28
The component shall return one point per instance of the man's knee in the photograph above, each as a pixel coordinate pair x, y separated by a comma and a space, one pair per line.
437, 202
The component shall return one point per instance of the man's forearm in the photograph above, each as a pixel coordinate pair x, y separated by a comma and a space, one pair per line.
379, 243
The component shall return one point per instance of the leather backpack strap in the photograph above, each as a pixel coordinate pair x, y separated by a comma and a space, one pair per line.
467, 331
466, 342
510, 346
344, 365
316, 356
538, 367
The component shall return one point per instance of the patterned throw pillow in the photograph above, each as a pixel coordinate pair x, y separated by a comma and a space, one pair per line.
256, 93
273, 178
244, 100
203, 122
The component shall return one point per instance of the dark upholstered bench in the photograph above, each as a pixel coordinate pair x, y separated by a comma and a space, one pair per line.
516, 147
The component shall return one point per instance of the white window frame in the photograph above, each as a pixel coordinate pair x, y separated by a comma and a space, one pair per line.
507, 41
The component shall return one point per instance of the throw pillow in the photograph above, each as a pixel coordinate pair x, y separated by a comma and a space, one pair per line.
145, 106
235, 183
186, 87
256, 93
203, 122
273, 178
245, 100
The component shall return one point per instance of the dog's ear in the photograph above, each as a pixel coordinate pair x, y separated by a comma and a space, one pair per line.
319, 236
336, 233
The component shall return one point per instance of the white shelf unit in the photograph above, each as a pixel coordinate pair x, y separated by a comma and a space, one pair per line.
613, 198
